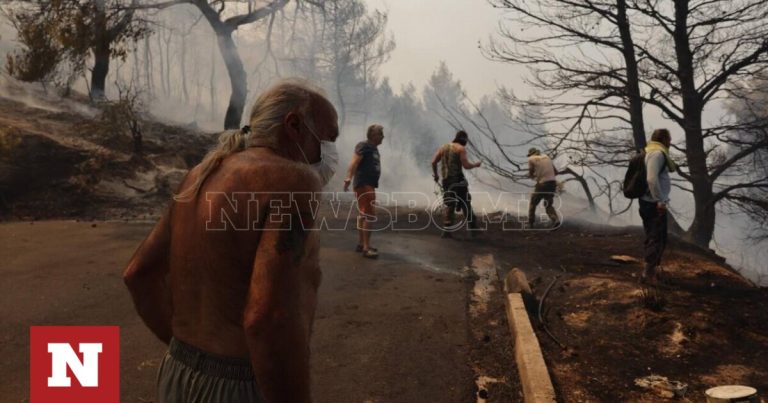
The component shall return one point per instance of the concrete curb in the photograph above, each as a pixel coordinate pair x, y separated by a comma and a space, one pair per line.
537, 386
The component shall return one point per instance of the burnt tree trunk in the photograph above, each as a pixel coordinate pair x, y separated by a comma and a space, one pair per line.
342, 108
234, 64
102, 47
633, 80
212, 83
136, 135
237, 80
101, 56
183, 67
162, 65
147, 67
167, 40
703, 226
135, 77
584, 185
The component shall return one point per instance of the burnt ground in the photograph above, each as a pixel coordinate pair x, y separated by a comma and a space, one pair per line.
72, 160
710, 329
707, 326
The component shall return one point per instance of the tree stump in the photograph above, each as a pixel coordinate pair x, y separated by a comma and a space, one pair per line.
732, 394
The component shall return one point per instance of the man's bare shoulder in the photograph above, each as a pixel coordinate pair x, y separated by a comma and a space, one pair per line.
261, 170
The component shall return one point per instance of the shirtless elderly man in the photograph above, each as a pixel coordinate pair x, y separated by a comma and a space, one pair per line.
236, 306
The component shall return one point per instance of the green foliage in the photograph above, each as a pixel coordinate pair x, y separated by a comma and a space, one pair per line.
38, 61
58, 32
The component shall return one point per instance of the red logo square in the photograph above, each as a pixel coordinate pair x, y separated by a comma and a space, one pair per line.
78, 364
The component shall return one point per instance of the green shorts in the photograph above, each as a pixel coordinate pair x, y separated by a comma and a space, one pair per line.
190, 375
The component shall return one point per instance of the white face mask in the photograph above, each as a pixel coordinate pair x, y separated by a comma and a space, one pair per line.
329, 161
329, 158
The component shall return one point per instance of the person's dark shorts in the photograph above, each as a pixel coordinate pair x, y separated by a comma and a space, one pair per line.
455, 191
544, 191
190, 375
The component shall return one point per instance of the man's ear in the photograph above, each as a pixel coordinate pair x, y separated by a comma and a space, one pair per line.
292, 123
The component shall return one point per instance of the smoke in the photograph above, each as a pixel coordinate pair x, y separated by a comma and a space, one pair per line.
401, 172
35, 95
183, 80
747, 256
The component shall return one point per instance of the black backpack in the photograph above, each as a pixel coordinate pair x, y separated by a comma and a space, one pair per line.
635, 180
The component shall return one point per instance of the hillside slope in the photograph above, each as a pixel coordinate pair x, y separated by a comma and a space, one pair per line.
61, 158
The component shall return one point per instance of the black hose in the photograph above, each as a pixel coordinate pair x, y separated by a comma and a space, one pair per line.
541, 320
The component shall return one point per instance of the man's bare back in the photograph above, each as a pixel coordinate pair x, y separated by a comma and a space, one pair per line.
212, 264
231, 270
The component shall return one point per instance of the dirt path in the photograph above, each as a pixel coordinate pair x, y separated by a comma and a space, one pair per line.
392, 330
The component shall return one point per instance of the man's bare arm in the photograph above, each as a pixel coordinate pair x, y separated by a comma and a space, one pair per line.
436, 159
145, 278
465, 160
281, 303
531, 169
356, 158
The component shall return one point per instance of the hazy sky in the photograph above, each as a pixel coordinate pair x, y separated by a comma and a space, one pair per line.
430, 31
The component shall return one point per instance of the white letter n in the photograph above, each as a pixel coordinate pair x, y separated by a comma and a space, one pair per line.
63, 356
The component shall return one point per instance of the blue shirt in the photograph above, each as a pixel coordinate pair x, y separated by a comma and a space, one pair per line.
369, 169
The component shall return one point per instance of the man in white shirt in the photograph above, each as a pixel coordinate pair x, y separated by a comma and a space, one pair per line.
541, 168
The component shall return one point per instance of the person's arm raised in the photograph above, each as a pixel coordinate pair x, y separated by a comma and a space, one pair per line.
145, 277
281, 301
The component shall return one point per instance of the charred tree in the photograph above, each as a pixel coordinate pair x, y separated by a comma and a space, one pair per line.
717, 46
678, 56
74, 30
223, 27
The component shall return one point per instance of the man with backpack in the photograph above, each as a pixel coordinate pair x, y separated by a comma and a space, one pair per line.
650, 183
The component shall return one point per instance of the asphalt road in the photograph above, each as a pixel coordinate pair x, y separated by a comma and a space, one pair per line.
394, 329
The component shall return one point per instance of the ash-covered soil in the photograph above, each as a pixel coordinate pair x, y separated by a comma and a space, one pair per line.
70, 160
709, 327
